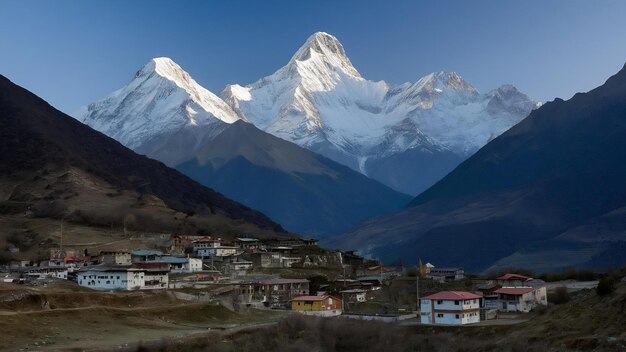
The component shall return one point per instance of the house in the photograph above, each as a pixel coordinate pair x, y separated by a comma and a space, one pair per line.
246, 243
271, 292
351, 258
46, 273
19, 264
354, 295
446, 274
237, 267
173, 263
324, 305
311, 242
179, 244
115, 258
521, 299
273, 260
145, 255
206, 243
220, 251
490, 297
450, 308
156, 276
111, 278
513, 280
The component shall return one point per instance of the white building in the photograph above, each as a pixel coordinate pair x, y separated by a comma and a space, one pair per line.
521, 299
47, 272
221, 251
204, 244
450, 308
122, 278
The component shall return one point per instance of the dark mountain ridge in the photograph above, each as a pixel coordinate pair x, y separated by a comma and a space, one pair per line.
304, 191
540, 195
35, 136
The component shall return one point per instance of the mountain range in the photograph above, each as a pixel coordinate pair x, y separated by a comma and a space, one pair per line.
404, 136
547, 194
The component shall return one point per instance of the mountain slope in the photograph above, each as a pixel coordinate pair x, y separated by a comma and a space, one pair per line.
161, 112
546, 194
38, 142
302, 190
321, 102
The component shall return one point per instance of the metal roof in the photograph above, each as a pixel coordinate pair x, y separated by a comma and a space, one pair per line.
282, 281
452, 295
310, 298
509, 276
144, 252
514, 290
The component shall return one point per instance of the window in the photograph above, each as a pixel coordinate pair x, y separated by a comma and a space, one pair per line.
439, 315
457, 316
456, 303
439, 302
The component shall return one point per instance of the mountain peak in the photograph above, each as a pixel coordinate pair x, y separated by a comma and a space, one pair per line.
164, 67
328, 48
443, 79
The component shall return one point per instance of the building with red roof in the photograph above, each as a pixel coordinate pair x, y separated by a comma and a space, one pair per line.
521, 299
450, 308
324, 305
513, 280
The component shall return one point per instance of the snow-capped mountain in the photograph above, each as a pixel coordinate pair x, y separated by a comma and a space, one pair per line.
321, 102
407, 136
162, 112
165, 114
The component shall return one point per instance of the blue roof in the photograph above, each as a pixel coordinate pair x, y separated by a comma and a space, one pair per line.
144, 252
174, 260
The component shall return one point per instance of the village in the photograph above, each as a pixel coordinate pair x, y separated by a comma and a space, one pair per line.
292, 275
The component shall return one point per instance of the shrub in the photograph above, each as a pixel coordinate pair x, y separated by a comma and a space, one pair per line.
605, 287
560, 296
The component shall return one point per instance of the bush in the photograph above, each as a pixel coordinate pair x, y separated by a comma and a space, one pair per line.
605, 287
560, 296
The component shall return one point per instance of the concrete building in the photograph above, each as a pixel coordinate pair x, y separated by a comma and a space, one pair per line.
450, 308
221, 251
324, 305
207, 243
271, 292
521, 299
109, 278
446, 274
114, 258
246, 243
46, 273
513, 280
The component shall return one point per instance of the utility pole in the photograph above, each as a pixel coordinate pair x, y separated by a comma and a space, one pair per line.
417, 289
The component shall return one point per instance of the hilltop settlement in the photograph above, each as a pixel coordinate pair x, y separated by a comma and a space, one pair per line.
288, 274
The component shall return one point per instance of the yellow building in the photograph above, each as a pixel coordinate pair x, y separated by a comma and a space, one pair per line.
325, 305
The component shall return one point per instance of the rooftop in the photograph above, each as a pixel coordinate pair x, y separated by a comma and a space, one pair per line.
310, 298
145, 252
282, 281
514, 290
452, 295
507, 277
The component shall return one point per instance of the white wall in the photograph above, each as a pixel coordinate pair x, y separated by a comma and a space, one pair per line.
113, 280
450, 318
193, 265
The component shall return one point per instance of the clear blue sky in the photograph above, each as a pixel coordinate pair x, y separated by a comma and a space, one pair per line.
74, 52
